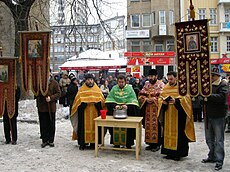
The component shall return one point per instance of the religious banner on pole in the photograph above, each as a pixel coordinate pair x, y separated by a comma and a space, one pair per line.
7, 85
35, 61
193, 59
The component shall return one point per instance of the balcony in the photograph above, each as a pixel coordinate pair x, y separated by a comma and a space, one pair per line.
225, 27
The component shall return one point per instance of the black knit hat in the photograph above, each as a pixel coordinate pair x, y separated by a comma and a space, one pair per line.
89, 75
73, 78
215, 71
152, 72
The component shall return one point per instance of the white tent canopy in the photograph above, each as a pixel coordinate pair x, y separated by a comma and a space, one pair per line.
95, 60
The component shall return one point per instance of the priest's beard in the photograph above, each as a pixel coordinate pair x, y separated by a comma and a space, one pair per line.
173, 84
121, 87
152, 81
89, 84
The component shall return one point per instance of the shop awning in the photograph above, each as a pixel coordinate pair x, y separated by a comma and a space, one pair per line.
220, 61
150, 58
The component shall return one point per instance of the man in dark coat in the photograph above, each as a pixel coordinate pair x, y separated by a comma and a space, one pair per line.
216, 109
72, 92
197, 108
46, 112
10, 124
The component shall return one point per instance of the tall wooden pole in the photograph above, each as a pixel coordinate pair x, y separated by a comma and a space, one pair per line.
192, 11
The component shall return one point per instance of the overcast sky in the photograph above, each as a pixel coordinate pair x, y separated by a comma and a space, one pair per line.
109, 9
117, 7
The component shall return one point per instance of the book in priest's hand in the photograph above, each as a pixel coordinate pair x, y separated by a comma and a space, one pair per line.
167, 99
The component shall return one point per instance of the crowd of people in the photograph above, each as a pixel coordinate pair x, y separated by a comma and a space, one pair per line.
160, 105
168, 118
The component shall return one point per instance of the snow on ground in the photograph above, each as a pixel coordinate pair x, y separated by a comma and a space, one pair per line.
28, 111
28, 155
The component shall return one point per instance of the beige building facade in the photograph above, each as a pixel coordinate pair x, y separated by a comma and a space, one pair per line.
218, 11
150, 31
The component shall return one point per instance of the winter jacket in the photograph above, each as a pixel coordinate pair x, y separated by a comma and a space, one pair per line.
64, 83
197, 103
54, 92
72, 92
217, 104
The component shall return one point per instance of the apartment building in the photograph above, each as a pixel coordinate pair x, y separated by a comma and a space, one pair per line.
218, 11
113, 34
150, 35
70, 40
223, 7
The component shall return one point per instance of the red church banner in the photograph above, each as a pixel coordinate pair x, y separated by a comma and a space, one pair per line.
7, 85
35, 61
193, 60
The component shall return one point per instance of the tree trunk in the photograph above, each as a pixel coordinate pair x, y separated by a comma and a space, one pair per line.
20, 25
20, 15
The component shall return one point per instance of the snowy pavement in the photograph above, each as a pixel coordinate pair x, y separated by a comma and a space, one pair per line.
28, 155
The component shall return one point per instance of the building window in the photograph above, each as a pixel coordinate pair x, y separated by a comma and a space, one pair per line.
154, 17
146, 46
170, 45
201, 13
226, 14
171, 17
188, 14
228, 43
161, 17
159, 47
134, 0
160, 71
213, 15
170, 68
214, 44
135, 46
146, 20
135, 20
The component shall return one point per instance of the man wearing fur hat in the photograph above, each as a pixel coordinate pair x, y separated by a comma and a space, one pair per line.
86, 106
148, 100
216, 109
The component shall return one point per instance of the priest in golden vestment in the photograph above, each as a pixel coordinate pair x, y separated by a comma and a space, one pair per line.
175, 115
86, 106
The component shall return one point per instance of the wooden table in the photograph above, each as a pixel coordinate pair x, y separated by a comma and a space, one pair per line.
130, 122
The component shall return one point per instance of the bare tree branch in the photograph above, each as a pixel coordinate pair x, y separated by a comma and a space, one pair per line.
103, 25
